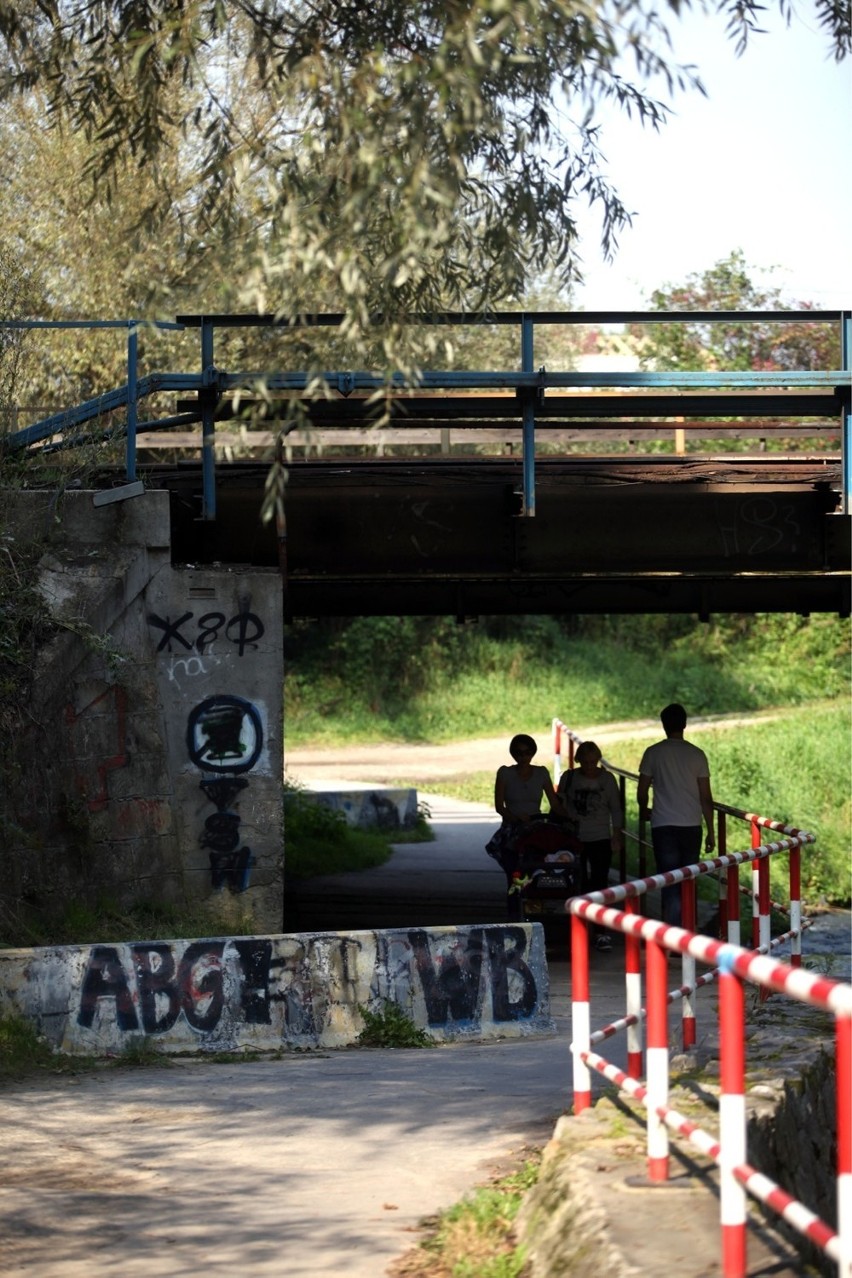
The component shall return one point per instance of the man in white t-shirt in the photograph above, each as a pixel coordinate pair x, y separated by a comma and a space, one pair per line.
680, 776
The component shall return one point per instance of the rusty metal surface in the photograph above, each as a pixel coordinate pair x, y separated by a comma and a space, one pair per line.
443, 536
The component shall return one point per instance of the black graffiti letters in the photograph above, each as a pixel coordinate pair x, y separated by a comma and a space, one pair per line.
171, 631
224, 734
229, 863
505, 954
105, 978
159, 1003
255, 961
242, 630
194, 987
201, 985
151, 986
454, 989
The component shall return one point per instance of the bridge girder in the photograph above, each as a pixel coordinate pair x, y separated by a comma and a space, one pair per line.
444, 537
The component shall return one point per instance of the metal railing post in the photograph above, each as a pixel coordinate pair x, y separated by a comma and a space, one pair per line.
657, 1061
528, 398
755, 889
795, 868
732, 1119
132, 399
843, 1065
724, 878
846, 430
622, 856
207, 398
633, 994
689, 899
580, 1012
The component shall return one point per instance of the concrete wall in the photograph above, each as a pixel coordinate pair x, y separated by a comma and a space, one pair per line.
366, 806
215, 640
268, 992
147, 762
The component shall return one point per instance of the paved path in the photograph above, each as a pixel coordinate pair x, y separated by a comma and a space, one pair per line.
319, 1164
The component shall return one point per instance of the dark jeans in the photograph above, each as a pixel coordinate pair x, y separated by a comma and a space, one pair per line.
675, 846
598, 857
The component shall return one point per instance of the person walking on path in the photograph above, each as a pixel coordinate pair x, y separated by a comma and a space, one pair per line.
680, 776
591, 798
519, 789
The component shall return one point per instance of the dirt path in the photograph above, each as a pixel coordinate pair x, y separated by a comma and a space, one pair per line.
396, 761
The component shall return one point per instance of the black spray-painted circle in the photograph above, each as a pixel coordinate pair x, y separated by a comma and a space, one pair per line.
224, 734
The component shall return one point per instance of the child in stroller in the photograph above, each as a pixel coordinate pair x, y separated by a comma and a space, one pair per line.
548, 868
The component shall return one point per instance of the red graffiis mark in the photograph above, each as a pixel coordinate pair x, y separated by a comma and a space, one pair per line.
93, 722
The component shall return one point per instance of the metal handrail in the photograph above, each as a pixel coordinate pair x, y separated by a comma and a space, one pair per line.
831, 388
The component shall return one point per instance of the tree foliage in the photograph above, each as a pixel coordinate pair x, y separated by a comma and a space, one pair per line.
400, 156
731, 344
284, 156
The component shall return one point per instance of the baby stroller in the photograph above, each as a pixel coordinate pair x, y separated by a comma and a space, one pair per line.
548, 869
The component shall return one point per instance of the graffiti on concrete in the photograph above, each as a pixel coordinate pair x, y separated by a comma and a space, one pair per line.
97, 735
224, 734
224, 737
451, 987
300, 988
242, 631
229, 863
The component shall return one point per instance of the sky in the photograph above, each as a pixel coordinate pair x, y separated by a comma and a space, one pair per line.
762, 164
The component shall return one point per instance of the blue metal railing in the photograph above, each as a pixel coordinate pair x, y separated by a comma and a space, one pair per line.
211, 383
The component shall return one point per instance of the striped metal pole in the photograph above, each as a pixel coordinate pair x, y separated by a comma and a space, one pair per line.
657, 1061
732, 1118
633, 994
580, 1013
724, 877
689, 922
734, 930
843, 1064
764, 904
755, 889
795, 866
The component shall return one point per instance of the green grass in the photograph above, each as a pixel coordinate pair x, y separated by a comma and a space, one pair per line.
22, 1050
24, 1054
441, 682
389, 1026
84, 922
475, 1237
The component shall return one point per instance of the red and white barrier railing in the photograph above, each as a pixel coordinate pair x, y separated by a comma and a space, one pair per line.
732, 965
565, 743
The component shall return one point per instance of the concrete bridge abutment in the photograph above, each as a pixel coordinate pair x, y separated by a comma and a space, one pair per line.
146, 759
